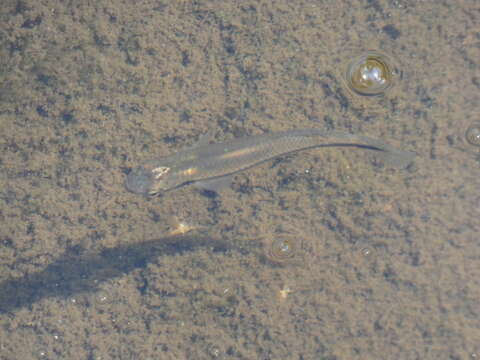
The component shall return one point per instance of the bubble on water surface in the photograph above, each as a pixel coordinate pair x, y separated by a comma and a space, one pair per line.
369, 74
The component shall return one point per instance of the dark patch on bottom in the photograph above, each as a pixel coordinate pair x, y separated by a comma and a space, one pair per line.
78, 271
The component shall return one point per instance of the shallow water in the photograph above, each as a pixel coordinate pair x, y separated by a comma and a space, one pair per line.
325, 254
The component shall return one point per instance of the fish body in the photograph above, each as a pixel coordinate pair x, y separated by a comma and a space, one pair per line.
216, 161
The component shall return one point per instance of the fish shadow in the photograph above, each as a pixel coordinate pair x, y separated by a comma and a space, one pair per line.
80, 271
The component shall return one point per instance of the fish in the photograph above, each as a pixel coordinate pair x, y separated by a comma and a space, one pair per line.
209, 165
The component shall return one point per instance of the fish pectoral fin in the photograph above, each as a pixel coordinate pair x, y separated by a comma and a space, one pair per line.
215, 184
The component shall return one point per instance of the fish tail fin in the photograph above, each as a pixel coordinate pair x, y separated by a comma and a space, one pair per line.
394, 157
